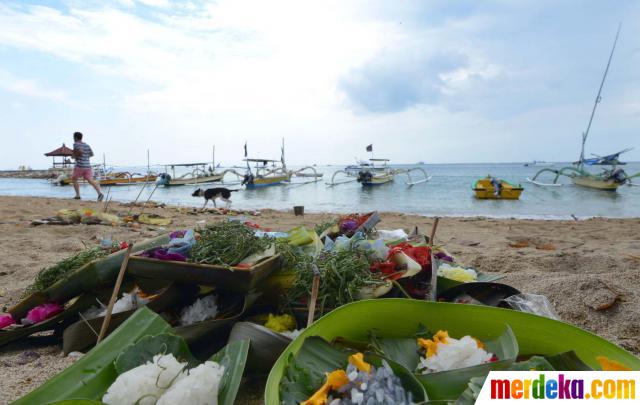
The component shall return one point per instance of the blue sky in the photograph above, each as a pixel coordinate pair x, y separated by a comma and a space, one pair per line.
433, 81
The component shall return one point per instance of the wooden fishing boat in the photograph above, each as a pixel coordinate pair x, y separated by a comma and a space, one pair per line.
270, 172
376, 172
607, 179
595, 182
376, 175
484, 189
265, 173
126, 178
198, 174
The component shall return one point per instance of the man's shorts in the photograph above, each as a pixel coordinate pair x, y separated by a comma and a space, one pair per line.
82, 173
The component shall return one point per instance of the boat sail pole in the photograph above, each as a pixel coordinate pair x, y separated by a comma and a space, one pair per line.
284, 165
598, 98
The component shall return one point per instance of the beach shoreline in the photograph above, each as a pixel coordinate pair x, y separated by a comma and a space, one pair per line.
586, 268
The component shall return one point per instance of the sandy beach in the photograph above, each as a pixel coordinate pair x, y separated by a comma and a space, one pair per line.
588, 269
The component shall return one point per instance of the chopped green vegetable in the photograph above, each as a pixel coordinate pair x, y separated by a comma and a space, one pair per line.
342, 276
227, 243
319, 228
50, 275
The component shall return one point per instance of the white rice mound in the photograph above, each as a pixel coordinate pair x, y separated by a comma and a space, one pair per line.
204, 308
127, 302
146, 383
200, 387
453, 355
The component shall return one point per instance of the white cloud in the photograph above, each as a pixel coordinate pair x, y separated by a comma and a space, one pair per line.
155, 3
29, 88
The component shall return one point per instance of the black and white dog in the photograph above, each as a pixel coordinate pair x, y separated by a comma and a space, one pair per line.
214, 193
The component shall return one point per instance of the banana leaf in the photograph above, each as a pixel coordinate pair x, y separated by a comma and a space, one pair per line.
306, 370
87, 380
266, 345
144, 349
399, 318
485, 293
233, 357
446, 283
75, 305
91, 375
450, 384
230, 278
81, 334
86, 278
470, 394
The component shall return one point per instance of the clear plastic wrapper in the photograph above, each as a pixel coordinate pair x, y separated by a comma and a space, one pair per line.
533, 304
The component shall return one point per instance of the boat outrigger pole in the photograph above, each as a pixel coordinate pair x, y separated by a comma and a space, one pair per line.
598, 98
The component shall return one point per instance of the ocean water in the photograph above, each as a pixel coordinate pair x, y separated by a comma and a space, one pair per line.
448, 193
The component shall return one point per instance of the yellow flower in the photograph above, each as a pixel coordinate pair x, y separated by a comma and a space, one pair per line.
335, 380
358, 361
280, 323
431, 345
611, 365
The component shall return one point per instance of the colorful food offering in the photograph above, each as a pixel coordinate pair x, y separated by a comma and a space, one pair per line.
361, 383
444, 353
325, 374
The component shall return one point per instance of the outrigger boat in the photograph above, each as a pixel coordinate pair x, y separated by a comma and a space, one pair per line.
270, 172
607, 179
376, 173
490, 188
199, 174
126, 178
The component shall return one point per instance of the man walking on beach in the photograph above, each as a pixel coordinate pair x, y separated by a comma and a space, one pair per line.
81, 153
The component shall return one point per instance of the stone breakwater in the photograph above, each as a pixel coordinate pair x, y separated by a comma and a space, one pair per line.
29, 174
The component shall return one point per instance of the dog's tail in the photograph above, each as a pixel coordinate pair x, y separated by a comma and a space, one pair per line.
232, 191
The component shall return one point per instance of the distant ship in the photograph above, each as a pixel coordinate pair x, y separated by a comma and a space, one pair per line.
538, 163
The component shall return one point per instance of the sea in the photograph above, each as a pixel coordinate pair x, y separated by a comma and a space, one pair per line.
448, 193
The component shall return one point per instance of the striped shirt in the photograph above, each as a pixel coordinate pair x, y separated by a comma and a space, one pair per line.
85, 153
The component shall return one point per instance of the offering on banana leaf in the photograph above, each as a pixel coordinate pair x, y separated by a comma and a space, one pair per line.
444, 353
164, 381
361, 383
322, 373
227, 243
50, 275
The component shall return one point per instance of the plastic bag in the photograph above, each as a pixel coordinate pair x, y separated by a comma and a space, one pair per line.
533, 304
182, 245
395, 235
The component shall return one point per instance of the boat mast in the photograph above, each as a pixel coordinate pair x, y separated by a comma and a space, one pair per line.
598, 98
284, 165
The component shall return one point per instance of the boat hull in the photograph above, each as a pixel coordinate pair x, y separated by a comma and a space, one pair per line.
378, 180
268, 181
484, 190
126, 181
588, 181
190, 181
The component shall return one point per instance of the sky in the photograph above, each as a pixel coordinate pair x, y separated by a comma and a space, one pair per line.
435, 81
